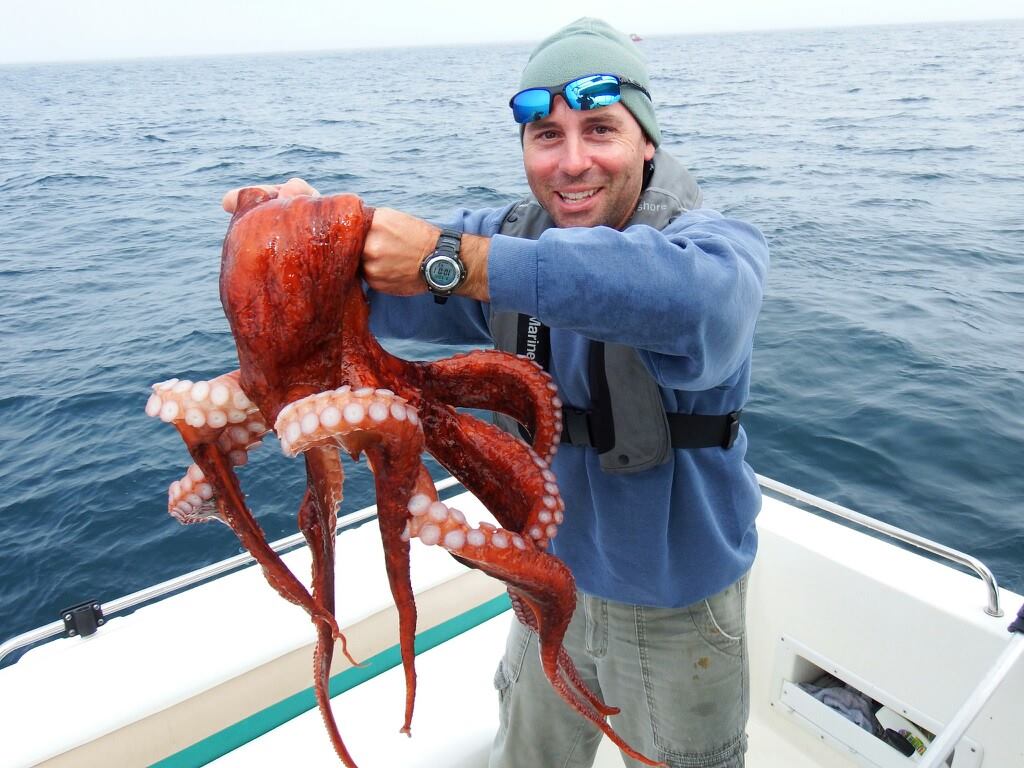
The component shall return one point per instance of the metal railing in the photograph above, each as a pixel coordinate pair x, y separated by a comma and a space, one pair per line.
190, 579
157, 591
941, 550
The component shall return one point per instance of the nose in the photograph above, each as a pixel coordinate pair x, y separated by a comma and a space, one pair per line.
575, 159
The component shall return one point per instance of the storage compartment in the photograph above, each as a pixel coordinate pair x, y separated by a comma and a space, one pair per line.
852, 700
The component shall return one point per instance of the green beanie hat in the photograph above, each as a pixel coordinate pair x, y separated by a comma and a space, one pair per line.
592, 47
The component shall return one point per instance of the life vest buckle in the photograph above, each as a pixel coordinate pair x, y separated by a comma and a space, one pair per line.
732, 429
576, 426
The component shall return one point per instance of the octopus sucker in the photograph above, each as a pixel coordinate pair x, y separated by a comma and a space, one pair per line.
308, 364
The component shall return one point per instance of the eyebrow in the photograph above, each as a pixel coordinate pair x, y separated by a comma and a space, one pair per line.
601, 115
539, 125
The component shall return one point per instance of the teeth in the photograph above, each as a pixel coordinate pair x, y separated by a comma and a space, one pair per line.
576, 196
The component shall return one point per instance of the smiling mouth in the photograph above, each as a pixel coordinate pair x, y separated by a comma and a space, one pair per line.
576, 197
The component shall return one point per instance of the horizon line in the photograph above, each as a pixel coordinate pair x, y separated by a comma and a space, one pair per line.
464, 44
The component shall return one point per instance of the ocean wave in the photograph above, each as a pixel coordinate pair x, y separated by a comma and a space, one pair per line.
296, 151
730, 178
433, 102
219, 166
337, 180
77, 179
893, 202
347, 122
927, 176
914, 150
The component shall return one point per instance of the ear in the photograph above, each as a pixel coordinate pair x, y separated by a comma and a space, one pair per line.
648, 150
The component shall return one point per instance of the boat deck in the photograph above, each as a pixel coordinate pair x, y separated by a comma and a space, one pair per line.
220, 674
370, 714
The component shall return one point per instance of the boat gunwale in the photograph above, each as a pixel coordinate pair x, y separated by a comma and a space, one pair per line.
157, 592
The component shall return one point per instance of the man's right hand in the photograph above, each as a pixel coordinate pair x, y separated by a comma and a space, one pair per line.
395, 246
291, 188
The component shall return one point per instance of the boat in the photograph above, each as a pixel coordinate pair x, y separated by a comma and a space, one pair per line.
213, 668
635, 37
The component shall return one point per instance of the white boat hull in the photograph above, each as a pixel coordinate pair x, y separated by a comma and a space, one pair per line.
166, 681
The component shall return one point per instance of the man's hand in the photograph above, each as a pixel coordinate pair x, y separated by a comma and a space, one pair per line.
395, 247
291, 188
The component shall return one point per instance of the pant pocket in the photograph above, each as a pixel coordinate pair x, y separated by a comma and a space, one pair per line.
511, 663
721, 619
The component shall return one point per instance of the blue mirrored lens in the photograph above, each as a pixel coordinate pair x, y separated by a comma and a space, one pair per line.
592, 92
531, 105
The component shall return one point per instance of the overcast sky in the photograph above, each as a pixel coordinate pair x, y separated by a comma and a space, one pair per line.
71, 30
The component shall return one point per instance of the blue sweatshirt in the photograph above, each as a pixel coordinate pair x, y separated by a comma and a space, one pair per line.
687, 297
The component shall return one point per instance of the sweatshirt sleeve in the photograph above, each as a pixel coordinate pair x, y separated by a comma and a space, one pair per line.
687, 296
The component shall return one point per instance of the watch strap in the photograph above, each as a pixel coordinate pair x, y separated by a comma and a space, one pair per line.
449, 240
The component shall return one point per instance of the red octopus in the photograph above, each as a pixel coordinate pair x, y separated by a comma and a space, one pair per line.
309, 365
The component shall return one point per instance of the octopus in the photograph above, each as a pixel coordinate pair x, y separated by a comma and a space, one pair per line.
311, 373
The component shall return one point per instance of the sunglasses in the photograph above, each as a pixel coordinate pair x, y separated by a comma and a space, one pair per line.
587, 92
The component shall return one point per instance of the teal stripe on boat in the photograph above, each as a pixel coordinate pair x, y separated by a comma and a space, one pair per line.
268, 719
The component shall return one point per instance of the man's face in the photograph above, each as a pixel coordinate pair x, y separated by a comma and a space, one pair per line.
586, 167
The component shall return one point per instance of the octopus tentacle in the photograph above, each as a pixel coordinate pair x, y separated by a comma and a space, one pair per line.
317, 521
565, 663
321, 687
218, 410
214, 457
214, 404
542, 588
395, 480
346, 417
399, 576
381, 424
540, 581
191, 499
512, 481
232, 508
318, 517
498, 381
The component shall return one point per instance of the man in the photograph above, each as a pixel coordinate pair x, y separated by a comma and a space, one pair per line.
643, 311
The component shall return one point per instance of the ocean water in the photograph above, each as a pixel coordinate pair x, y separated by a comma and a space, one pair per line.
882, 163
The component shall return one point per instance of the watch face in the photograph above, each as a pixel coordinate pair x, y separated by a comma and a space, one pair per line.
443, 272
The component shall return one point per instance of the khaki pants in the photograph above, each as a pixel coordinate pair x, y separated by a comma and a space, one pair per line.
679, 676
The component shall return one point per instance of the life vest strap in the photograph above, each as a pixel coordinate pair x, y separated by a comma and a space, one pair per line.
688, 430
595, 428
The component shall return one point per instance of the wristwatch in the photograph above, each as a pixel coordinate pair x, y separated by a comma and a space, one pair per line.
442, 269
